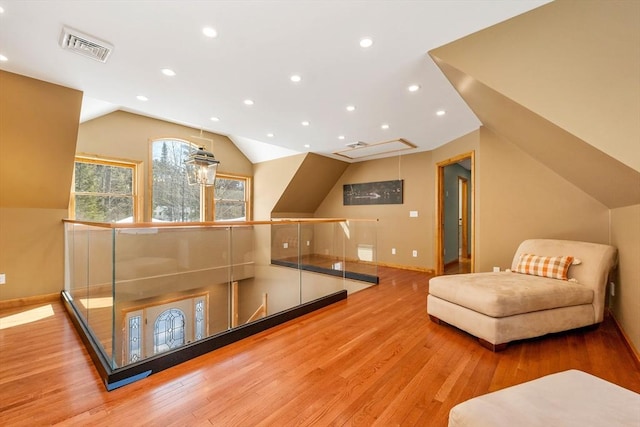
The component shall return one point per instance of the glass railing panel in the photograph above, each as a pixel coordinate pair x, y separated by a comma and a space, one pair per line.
146, 290
272, 289
88, 279
361, 247
322, 262
246, 296
315, 285
171, 288
275, 284
76, 267
285, 242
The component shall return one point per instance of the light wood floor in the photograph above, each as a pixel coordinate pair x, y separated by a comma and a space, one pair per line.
374, 359
463, 265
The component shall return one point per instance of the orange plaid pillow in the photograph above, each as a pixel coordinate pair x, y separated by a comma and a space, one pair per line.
545, 266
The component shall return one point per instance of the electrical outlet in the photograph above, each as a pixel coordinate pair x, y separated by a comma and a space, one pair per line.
612, 289
415, 253
393, 251
3, 278
285, 245
413, 214
308, 242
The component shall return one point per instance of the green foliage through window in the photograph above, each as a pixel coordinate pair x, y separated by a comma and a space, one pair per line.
173, 198
103, 192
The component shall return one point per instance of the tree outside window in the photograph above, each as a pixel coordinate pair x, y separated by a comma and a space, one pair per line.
173, 198
103, 191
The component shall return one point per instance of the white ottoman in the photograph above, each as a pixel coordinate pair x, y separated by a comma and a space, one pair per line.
569, 398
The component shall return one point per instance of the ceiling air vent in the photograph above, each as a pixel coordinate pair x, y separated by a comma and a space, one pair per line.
85, 45
357, 144
358, 150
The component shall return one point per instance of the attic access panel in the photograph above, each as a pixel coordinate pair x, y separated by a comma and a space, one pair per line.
361, 150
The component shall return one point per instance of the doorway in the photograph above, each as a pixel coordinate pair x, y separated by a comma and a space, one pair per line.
455, 215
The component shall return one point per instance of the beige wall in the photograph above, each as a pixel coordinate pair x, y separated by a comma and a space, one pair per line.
625, 235
573, 63
38, 129
31, 253
270, 180
522, 198
127, 136
570, 157
307, 188
395, 228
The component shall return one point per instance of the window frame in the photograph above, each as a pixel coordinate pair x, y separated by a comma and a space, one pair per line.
149, 193
108, 161
209, 196
247, 193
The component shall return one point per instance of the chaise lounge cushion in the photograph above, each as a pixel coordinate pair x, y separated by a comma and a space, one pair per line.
505, 293
505, 306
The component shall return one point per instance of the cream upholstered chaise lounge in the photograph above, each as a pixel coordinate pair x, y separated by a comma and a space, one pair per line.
553, 286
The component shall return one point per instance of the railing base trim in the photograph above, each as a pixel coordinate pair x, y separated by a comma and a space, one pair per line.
115, 378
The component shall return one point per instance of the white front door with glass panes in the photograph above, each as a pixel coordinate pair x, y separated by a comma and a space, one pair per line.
156, 329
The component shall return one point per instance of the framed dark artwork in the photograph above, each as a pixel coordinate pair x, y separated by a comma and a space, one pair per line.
373, 193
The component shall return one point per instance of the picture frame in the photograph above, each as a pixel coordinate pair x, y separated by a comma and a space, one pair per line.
374, 193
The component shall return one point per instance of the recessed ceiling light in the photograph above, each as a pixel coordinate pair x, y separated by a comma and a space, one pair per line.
305, 123
248, 102
340, 136
307, 145
351, 107
295, 78
413, 88
3, 58
384, 126
366, 42
210, 32
441, 113
168, 72
215, 119
142, 98
270, 135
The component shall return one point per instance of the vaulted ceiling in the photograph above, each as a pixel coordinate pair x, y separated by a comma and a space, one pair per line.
258, 47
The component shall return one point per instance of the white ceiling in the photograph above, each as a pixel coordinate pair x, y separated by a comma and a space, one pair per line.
260, 44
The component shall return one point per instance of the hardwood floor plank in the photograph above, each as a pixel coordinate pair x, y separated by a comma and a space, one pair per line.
373, 359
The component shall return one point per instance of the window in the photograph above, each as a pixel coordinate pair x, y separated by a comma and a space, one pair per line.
169, 331
230, 198
173, 199
103, 190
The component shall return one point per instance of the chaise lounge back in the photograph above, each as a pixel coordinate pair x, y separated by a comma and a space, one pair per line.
553, 286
